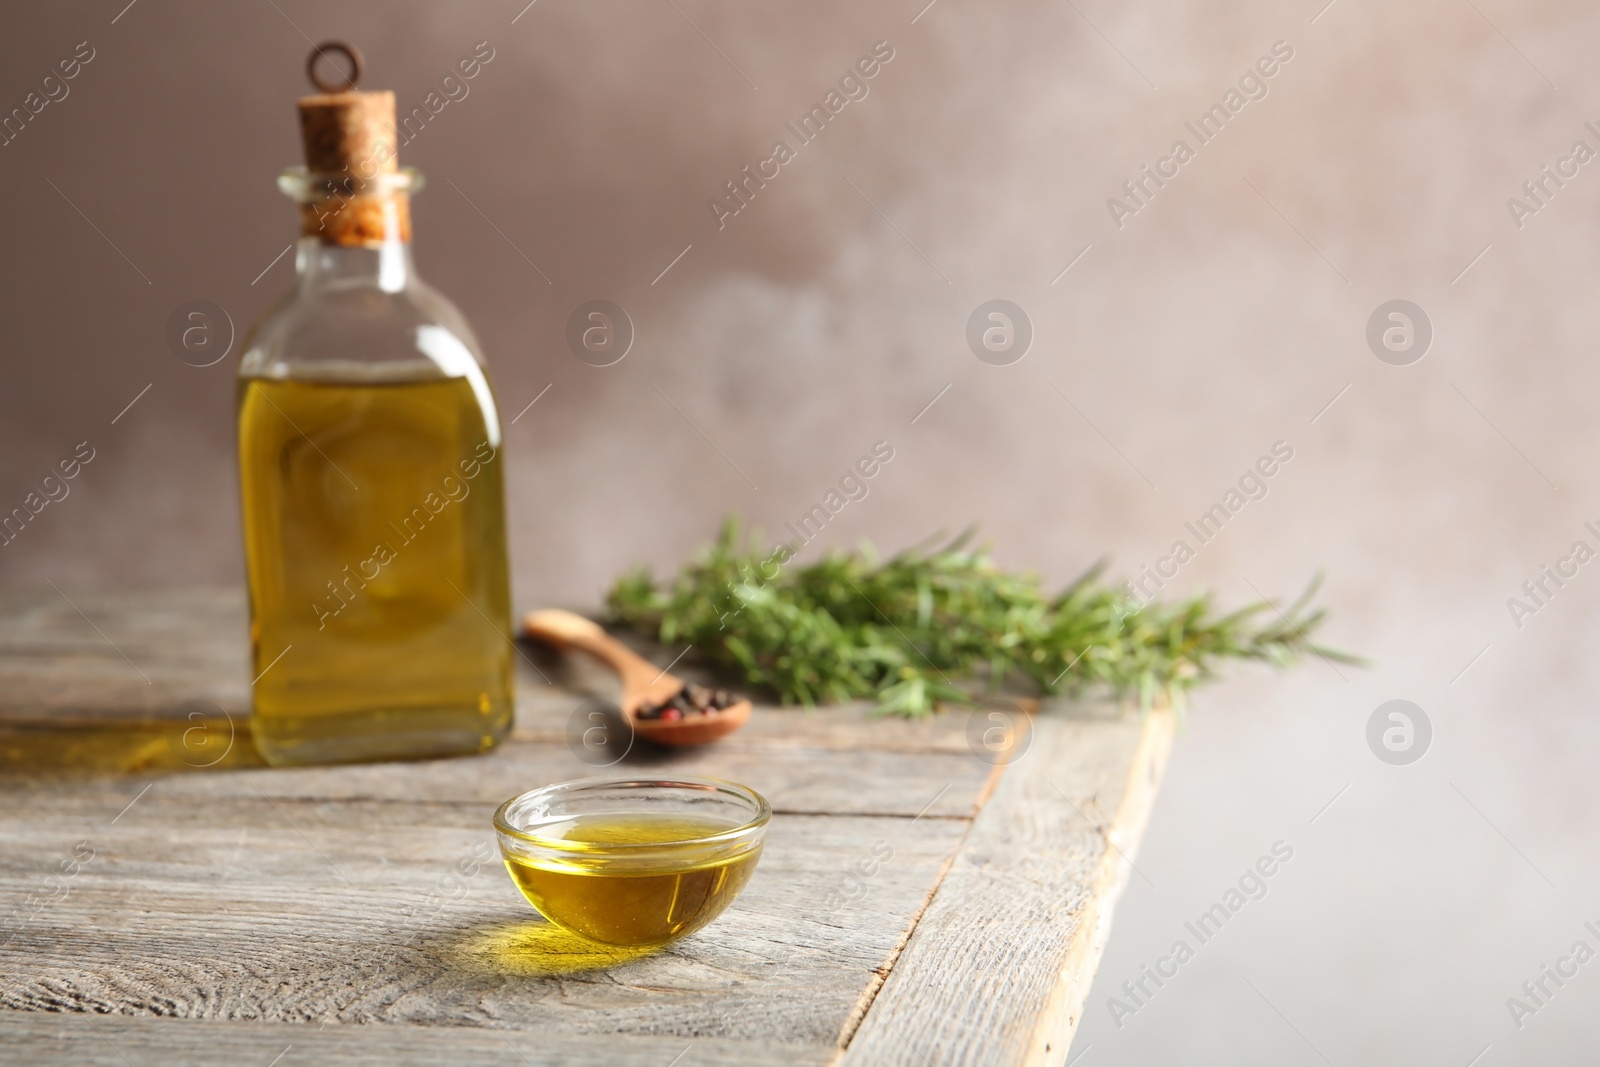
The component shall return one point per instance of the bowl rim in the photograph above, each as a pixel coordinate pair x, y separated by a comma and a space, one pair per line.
746, 829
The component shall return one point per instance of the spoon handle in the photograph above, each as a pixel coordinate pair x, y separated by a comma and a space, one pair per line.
564, 629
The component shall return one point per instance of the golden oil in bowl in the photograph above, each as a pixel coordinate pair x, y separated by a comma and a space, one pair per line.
633, 862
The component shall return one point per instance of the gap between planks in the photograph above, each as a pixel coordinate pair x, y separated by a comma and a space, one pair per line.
1028, 1016
880, 973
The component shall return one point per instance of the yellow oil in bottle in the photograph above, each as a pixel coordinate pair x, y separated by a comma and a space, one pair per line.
375, 542
617, 900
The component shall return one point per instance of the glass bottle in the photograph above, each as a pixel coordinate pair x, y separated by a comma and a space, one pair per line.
370, 459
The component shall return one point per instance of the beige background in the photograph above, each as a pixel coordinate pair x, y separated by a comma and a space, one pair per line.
1223, 317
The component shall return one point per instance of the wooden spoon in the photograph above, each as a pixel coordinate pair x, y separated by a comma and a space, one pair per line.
643, 683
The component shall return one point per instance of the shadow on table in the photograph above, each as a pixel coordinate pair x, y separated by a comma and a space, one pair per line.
200, 743
535, 948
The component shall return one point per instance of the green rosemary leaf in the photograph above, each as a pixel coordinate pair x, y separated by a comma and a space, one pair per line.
932, 624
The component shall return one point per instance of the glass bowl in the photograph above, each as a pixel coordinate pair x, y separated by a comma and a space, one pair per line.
633, 861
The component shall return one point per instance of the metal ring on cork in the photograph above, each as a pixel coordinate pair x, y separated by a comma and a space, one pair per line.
357, 65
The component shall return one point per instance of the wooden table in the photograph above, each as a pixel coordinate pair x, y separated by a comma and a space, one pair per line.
156, 912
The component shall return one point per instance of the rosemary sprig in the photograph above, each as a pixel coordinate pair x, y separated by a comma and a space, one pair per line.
929, 625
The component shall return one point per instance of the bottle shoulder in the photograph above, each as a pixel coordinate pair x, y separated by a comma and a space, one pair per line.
360, 326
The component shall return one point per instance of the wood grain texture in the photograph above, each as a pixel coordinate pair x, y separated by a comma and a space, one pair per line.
794, 779
118, 1041
109, 658
998, 965
361, 912
914, 904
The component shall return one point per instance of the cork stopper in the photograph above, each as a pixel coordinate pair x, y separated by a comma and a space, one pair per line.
352, 130
349, 139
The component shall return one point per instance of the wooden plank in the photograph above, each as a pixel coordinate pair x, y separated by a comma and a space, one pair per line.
998, 966
120, 657
794, 779
113, 688
60, 666
120, 1041
237, 907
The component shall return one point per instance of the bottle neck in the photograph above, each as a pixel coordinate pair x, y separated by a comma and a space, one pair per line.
386, 266
355, 229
